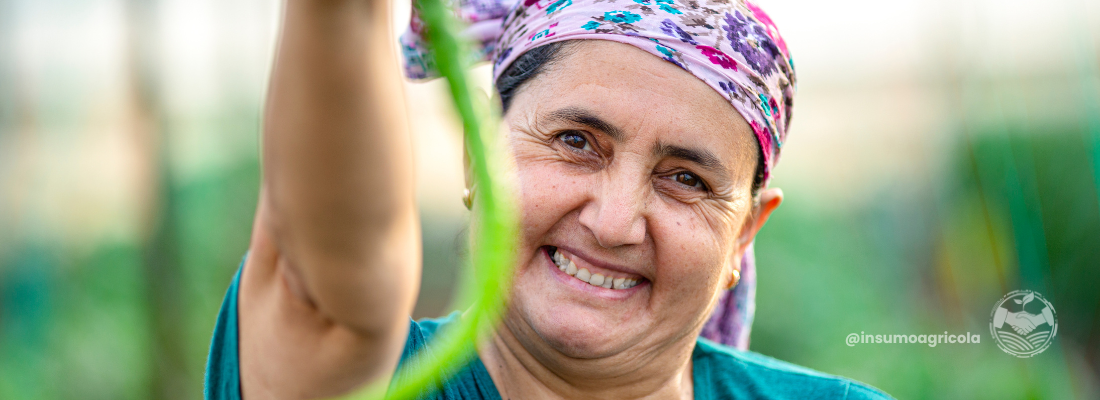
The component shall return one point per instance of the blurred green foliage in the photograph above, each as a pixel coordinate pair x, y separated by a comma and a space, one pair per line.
92, 324
1017, 211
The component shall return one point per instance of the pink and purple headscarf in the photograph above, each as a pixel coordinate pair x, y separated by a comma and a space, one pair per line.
731, 45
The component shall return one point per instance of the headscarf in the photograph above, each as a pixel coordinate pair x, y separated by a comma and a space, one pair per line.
731, 45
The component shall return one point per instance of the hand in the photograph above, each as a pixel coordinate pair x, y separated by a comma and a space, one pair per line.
1021, 322
1036, 319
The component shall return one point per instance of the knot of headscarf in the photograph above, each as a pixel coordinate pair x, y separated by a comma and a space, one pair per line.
731, 45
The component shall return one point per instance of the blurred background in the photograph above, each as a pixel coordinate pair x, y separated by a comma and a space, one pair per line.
942, 154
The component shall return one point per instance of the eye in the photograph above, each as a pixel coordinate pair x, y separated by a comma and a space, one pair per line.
689, 179
575, 140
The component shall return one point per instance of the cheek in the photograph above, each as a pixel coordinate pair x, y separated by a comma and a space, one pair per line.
548, 193
694, 247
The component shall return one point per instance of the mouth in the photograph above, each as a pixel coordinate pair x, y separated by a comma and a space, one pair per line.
592, 275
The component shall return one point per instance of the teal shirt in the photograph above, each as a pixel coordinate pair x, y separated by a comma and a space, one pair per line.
718, 371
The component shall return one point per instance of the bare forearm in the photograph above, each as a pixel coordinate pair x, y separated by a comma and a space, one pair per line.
337, 161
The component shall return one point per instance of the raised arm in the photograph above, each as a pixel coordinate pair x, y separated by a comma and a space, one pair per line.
335, 257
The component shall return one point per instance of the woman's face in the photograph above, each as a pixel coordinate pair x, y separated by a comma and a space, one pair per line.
633, 169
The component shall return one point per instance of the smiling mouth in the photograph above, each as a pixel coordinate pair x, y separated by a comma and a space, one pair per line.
609, 281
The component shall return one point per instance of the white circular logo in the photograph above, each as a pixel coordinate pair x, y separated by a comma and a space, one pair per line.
1023, 323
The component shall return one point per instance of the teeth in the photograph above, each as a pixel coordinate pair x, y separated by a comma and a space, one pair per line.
596, 280
618, 283
587, 276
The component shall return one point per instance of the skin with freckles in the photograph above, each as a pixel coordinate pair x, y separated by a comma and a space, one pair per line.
630, 167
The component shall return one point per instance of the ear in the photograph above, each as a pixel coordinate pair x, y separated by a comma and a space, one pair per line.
770, 199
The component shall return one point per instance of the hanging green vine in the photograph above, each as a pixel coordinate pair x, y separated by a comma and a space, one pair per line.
493, 227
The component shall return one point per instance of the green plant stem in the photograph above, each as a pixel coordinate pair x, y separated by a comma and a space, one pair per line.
493, 230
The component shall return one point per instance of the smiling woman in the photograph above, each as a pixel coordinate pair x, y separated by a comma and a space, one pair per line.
642, 149
630, 183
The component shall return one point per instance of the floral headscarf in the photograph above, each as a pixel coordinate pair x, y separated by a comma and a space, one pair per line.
731, 45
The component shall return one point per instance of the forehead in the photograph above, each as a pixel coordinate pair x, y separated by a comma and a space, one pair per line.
642, 95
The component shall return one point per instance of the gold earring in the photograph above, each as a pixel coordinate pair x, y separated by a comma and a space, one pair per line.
734, 280
467, 199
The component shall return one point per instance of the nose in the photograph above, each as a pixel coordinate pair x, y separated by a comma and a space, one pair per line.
615, 216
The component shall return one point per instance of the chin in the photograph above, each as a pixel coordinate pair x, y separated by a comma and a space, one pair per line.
578, 327
577, 334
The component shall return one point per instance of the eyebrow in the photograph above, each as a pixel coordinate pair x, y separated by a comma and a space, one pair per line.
702, 157
587, 118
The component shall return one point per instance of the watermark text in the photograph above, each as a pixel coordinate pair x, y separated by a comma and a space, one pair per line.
930, 340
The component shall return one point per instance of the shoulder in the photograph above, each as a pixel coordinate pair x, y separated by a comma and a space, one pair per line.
469, 381
423, 331
429, 326
724, 372
222, 379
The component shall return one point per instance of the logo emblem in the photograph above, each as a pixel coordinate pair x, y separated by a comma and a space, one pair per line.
1023, 323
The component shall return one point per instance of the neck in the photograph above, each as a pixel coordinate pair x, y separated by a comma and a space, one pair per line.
526, 370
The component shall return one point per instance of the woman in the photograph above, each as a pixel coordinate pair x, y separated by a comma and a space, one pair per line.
643, 132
